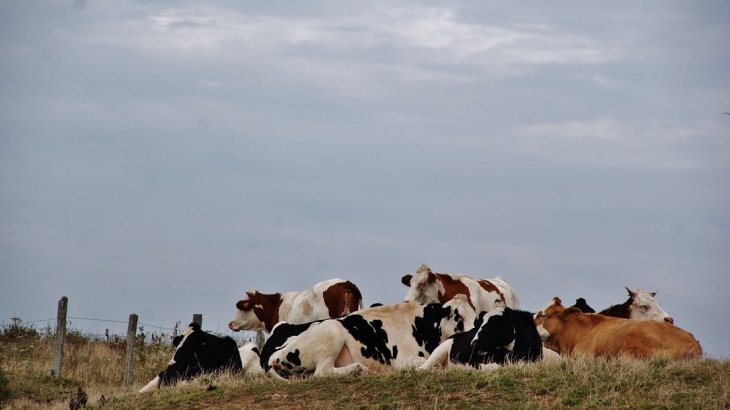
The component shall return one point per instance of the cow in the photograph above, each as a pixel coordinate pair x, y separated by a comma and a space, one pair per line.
198, 352
428, 287
569, 331
581, 304
329, 299
640, 305
500, 336
401, 335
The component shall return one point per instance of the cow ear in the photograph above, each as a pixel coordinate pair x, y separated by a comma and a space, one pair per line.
406, 280
431, 277
242, 305
653, 293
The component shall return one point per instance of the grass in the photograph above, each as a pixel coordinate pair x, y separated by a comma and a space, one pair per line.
95, 368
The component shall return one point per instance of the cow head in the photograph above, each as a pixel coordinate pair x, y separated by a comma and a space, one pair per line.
250, 314
644, 306
459, 316
424, 286
552, 319
496, 334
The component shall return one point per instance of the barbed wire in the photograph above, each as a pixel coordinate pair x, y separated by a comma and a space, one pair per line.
36, 321
20, 321
98, 320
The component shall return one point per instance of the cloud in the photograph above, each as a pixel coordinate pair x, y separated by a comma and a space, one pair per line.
608, 142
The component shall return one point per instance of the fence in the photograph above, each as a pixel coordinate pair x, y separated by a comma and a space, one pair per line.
60, 336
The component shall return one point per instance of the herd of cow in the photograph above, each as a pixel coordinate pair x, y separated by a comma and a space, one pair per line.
444, 321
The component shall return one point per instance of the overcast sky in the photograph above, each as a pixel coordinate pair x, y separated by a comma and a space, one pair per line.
161, 158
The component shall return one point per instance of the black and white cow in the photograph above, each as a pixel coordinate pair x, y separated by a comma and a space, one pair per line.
198, 352
400, 335
499, 336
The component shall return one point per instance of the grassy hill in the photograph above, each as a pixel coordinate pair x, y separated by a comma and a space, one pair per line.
94, 368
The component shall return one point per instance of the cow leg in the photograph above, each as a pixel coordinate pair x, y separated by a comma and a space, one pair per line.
153, 385
353, 369
439, 358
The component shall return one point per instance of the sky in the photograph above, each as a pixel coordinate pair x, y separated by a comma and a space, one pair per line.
161, 158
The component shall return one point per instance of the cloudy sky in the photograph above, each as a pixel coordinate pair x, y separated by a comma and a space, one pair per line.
161, 158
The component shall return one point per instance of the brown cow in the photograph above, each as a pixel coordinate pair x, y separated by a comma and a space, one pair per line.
329, 299
569, 331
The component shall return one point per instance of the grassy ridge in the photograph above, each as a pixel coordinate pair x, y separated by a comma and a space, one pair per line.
97, 368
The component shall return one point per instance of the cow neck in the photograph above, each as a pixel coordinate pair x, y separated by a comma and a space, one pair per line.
452, 288
581, 324
621, 310
270, 312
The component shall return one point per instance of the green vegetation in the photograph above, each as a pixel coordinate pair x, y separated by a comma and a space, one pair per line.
96, 367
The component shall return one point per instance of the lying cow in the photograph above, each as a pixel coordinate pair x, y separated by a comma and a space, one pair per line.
329, 299
568, 331
428, 287
499, 336
198, 352
400, 335
640, 305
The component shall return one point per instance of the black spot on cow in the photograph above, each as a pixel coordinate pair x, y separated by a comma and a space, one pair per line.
372, 336
293, 358
421, 354
426, 329
581, 304
199, 353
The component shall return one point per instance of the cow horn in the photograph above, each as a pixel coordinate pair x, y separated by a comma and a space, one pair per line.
252, 292
653, 293
631, 292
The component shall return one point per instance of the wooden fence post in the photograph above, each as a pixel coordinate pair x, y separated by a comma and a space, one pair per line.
131, 337
55, 371
260, 340
198, 318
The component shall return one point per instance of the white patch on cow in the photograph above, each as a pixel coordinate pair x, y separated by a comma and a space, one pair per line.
152, 385
544, 334
250, 359
542, 311
645, 307
511, 346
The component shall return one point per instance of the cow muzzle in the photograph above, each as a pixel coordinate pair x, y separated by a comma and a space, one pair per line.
669, 320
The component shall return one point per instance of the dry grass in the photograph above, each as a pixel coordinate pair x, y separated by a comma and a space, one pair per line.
98, 368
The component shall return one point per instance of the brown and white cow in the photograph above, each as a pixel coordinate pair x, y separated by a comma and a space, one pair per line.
428, 287
329, 299
569, 331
